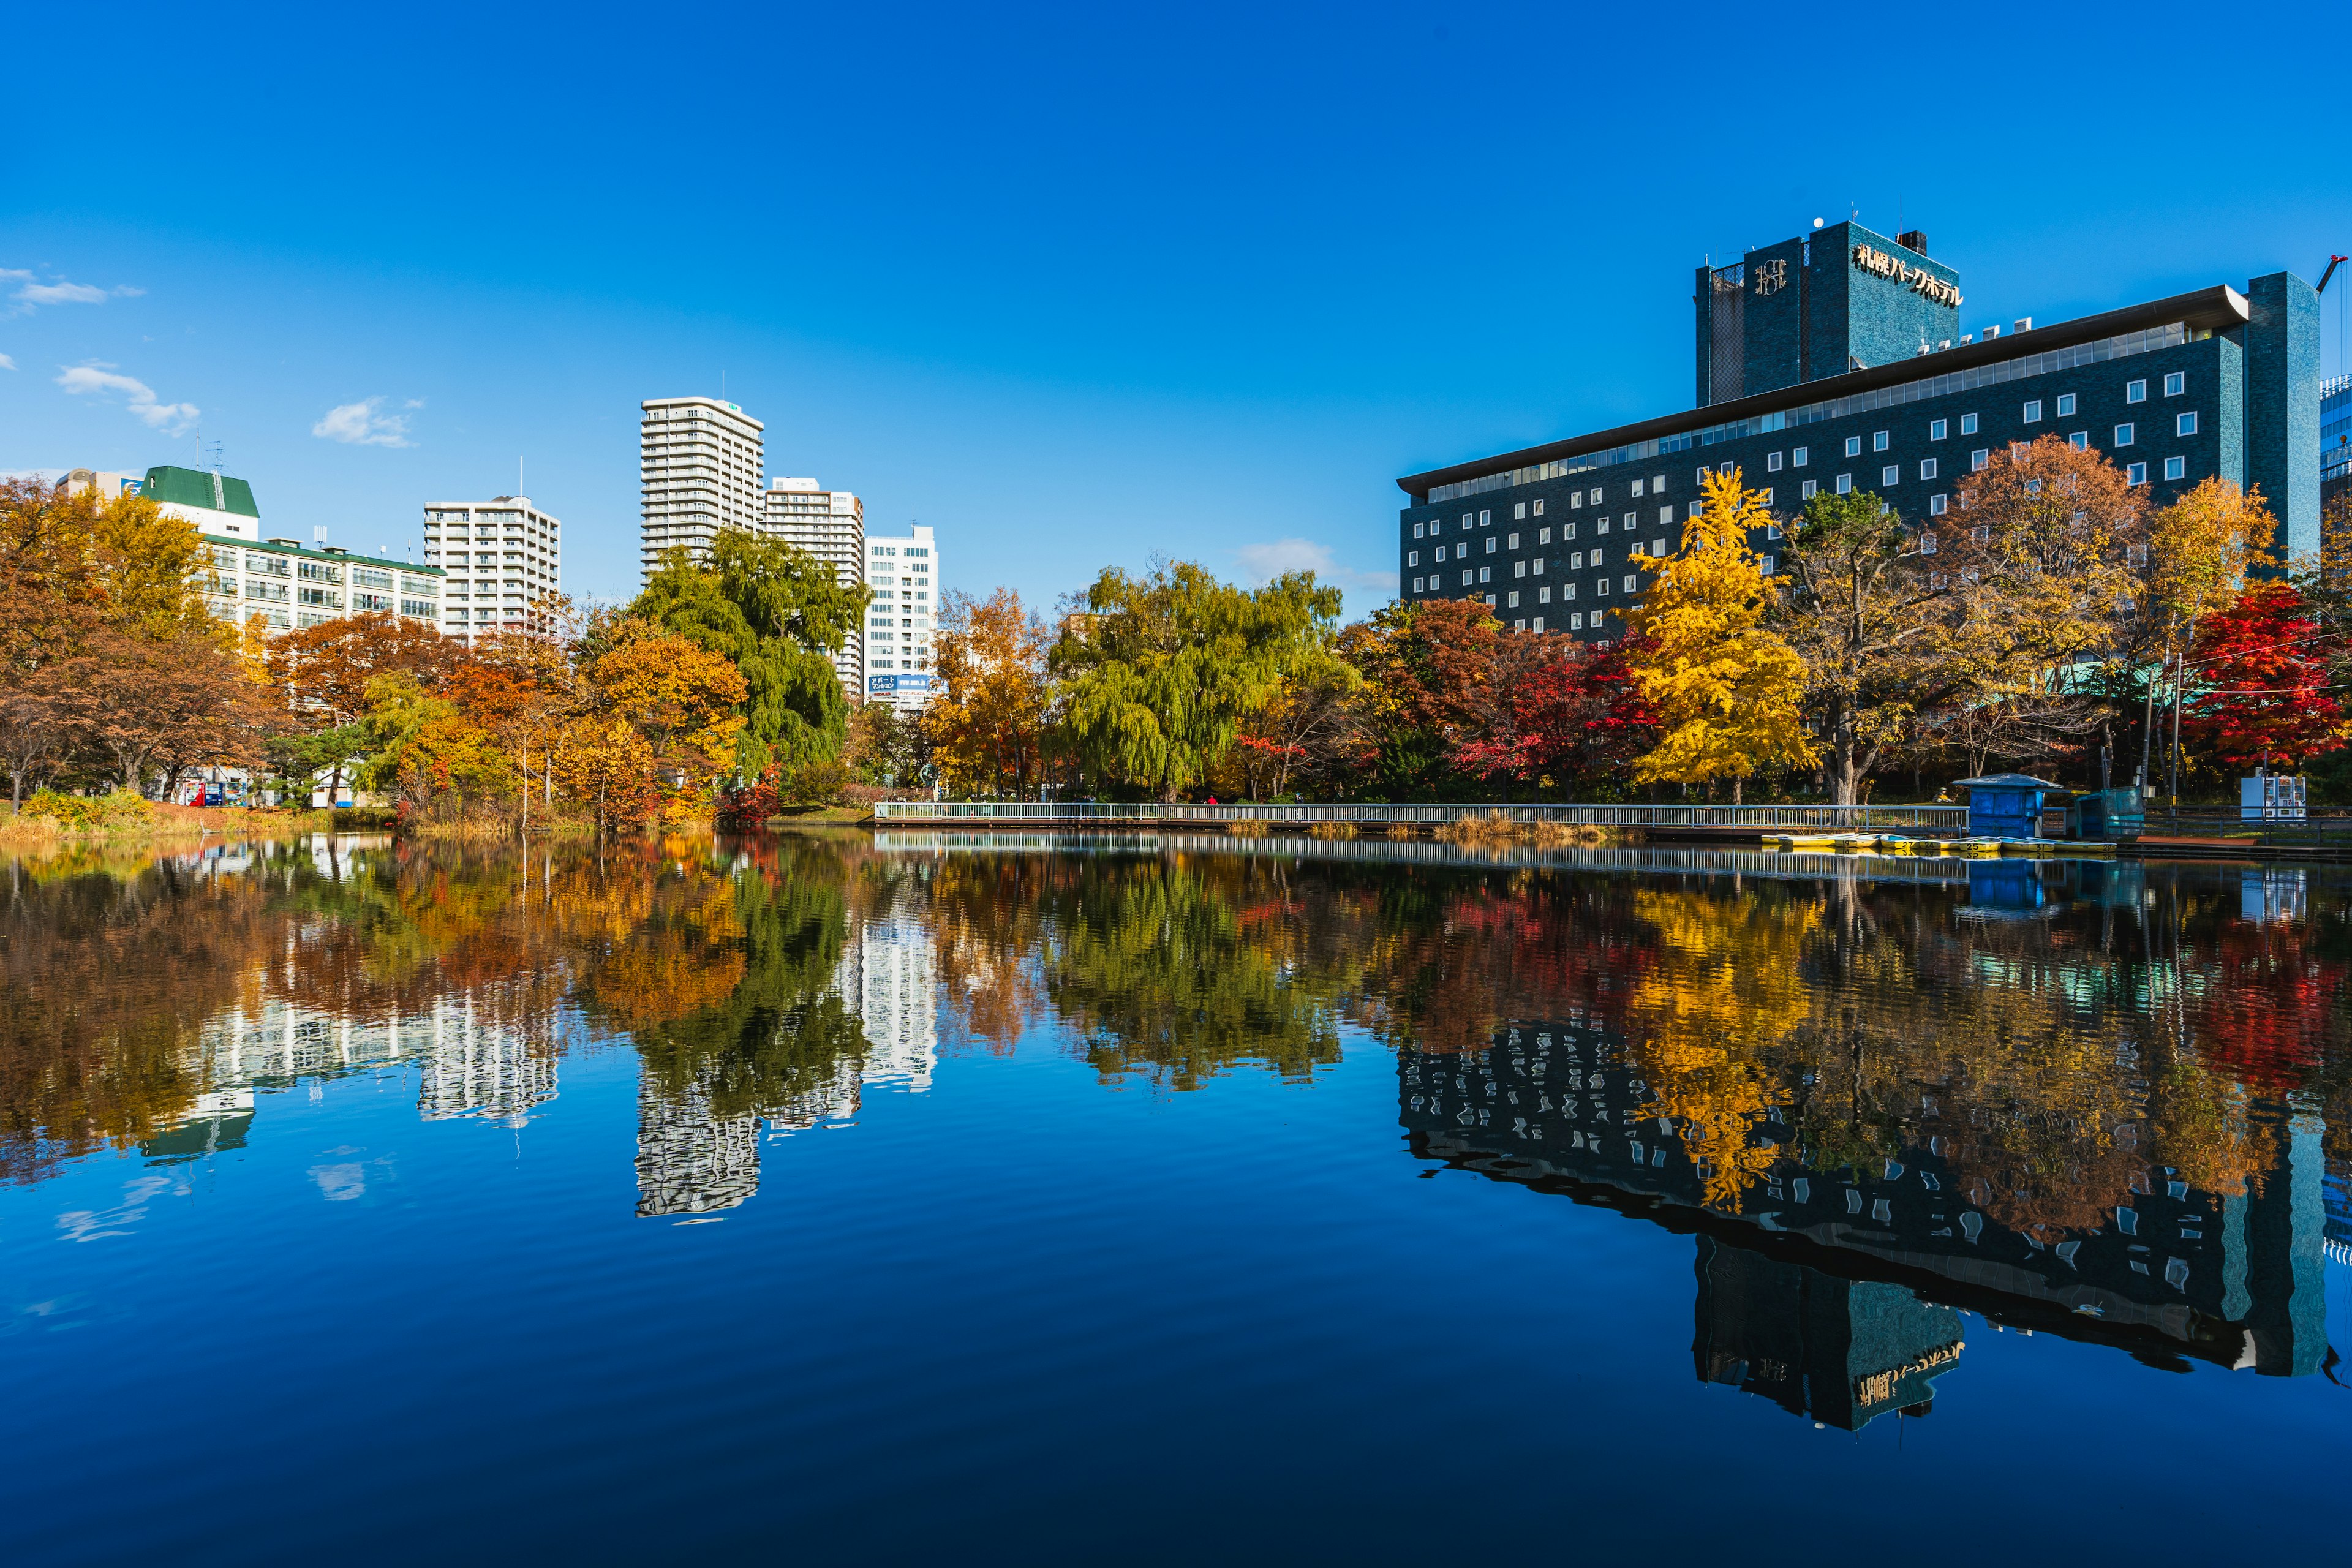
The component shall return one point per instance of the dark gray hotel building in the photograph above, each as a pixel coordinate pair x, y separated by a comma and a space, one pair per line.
1836, 361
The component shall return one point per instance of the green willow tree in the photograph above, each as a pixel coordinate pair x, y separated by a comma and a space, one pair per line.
779, 612
1161, 669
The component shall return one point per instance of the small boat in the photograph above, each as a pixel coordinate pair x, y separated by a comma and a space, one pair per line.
1805, 840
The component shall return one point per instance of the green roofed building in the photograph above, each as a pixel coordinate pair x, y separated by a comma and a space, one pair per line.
214, 502
283, 582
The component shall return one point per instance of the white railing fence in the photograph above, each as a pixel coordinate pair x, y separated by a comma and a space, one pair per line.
1809, 818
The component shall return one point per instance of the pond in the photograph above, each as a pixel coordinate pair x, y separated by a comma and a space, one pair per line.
1032, 1198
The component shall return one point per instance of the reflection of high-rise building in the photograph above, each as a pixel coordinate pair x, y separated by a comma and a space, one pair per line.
895, 987
473, 1068
2169, 1270
688, 1159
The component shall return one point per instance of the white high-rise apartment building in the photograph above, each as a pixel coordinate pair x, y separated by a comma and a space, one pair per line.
903, 575
498, 558
699, 465
831, 526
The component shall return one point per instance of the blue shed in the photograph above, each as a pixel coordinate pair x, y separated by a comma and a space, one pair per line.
2006, 805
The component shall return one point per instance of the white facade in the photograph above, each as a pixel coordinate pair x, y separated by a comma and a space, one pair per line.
699, 464
903, 575
498, 557
831, 526
288, 586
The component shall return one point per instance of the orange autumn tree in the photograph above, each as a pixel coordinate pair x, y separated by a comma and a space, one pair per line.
987, 723
658, 727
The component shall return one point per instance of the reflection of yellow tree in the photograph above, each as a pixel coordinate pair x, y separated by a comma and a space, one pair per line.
1703, 1021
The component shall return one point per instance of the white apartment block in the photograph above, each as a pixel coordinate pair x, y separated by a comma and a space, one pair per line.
903, 575
831, 526
699, 464
501, 557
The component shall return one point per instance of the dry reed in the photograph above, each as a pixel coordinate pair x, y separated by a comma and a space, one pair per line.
1331, 830
1249, 828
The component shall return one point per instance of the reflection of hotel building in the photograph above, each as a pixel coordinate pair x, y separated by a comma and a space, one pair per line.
2174, 1272
473, 1068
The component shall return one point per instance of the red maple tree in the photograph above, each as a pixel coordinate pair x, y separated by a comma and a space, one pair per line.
2262, 688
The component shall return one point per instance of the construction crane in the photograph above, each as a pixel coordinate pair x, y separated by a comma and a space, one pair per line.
2332, 263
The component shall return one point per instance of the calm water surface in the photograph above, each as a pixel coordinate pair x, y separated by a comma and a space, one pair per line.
1020, 1199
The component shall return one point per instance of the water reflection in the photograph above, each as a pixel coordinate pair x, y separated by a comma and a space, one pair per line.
2096, 1099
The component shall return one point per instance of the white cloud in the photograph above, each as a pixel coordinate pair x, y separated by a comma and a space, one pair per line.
359, 425
30, 294
98, 379
6, 364
1266, 562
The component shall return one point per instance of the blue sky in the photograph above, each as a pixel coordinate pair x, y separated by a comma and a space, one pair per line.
1074, 286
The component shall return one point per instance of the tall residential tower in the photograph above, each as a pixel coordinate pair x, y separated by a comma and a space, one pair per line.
699, 465
831, 526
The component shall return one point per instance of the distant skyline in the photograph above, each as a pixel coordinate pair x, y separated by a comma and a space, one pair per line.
1070, 286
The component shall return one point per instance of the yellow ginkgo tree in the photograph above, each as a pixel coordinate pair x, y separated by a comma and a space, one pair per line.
1729, 692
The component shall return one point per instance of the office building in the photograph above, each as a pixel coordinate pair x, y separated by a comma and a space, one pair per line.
503, 559
2335, 440
699, 465
831, 526
1836, 361
902, 574
108, 485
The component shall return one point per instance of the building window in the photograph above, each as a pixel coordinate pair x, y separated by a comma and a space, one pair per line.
1469, 520
1567, 529
1967, 424
1666, 513
1601, 526
1805, 491
1486, 573
1537, 623
2185, 424
1543, 536
2032, 413
1844, 484
1575, 500
1412, 557
1800, 456
1438, 554
1695, 509
1853, 445
2136, 473
1538, 506
1468, 576
2136, 392
1538, 565
1765, 495
1772, 531
1890, 475
1543, 596
1657, 484
1417, 531
1935, 505
1773, 463
2125, 435
1576, 623
1878, 440
2065, 404
1486, 520
1596, 495
1513, 542
1566, 593
1935, 429
1490, 544
1632, 583
1764, 565
2176, 468
2080, 440
1979, 458
2175, 384
1416, 584
1927, 468
1514, 597
1519, 568
1637, 489
1701, 477
1601, 589
1519, 513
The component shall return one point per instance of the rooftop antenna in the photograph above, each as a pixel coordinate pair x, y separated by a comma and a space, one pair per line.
319, 533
